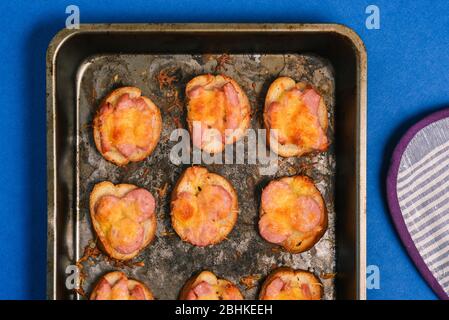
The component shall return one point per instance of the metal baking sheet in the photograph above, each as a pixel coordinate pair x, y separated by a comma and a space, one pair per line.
165, 265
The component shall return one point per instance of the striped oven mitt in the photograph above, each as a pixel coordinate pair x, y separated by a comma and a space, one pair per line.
418, 197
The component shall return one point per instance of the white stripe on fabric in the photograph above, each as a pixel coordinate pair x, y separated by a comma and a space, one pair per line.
416, 214
440, 262
423, 178
416, 204
436, 255
422, 231
416, 226
403, 173
423, 245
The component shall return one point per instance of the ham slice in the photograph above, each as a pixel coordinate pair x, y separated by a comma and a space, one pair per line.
215, 202
203, 289
275, 287
205, 235
120, 290
103, 290
306, 291
232, 107
137, 293
312, 100
125, 102
195, 92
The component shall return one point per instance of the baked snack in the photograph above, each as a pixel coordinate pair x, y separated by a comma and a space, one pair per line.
206, 286
204, 207
298, 114
292, 213
127, 126
218, 112
123, 217
116, 286
288, 284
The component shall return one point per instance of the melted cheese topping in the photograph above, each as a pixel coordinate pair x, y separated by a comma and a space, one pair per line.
289, 206
128, 126
294, 121
293, 290
209, 107
219, 290
202, 209
118, 221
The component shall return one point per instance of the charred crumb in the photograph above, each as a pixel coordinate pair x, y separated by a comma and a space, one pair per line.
177, 122
250, 281
81, 292
222, 60
328, 275
166, 78
162, 191
176, 102
167, 234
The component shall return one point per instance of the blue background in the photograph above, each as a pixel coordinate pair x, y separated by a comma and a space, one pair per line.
408, 77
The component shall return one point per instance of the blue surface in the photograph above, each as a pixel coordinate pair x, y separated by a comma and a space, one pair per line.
408, 77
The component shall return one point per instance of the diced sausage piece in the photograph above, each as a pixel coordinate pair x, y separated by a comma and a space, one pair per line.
215, 202
126, 236
307, 214
145, 203
275, 195
273, 230
206, 234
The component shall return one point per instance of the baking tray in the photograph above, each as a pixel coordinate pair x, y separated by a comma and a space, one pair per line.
84, 65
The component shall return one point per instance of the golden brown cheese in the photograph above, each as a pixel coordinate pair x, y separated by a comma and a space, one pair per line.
127, 126
288, 284
204, 207
207, 286
292, 213
295, 114
116, 286
218, 111
123, 217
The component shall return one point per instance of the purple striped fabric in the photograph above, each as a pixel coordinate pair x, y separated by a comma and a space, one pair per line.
418, 196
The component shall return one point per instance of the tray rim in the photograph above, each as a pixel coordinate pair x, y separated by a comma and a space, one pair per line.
63, 35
